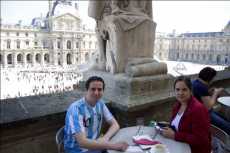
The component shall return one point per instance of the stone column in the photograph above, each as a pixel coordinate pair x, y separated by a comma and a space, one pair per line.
24, 60
15, 59
63, 55
74, 54
5, 60
42, 59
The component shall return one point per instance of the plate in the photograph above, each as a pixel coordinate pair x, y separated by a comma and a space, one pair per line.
224, 100
159, 148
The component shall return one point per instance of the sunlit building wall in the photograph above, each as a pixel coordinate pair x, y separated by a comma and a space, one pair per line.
57, 39
203, 48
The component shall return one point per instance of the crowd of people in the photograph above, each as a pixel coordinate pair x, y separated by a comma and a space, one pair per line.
22, 82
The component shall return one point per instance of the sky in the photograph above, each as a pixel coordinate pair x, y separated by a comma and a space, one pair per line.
183, 16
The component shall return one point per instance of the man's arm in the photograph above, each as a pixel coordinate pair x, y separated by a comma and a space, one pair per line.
99, 145
209, 101
114, 127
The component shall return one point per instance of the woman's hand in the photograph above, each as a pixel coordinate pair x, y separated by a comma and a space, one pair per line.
168, 132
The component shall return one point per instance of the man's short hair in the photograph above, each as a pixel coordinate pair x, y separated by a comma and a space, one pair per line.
207, 74
92, 79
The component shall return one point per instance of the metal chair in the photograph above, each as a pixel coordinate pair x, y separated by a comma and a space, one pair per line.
222, 139
59, 140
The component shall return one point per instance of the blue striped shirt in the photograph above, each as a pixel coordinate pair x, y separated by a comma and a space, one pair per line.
81, 117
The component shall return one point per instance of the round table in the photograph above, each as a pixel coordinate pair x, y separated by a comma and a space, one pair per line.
225, 102
126, 134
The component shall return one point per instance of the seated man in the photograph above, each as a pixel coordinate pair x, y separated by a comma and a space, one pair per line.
201, 92
84, 120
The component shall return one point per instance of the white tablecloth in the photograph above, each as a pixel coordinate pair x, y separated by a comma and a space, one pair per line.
126, 134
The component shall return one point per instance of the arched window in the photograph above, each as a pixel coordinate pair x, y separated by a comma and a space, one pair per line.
47, 58
19, 58
68, 59
9, 59
38, 58
29, 58
68, 44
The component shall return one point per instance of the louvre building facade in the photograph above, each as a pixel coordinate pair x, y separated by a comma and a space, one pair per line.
57, 39
204, 48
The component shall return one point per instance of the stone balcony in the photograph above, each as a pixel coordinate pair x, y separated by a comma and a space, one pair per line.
29, 124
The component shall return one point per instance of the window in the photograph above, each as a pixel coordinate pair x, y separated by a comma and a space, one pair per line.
1, 61
68, 44
27, 43
210, 57
7, 34
26, 34
58, 44
35, 34
178, 55
35, 43
90, 43
83, 44
17, 33
77, 45
204, 57
18, 44
8, 44
192, 56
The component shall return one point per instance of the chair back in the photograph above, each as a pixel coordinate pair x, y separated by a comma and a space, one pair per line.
59, 140
218, 133
220, 140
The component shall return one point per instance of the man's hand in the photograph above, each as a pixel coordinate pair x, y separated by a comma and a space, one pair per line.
218, 91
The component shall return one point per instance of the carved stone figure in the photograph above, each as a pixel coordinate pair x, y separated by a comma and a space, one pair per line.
126, 33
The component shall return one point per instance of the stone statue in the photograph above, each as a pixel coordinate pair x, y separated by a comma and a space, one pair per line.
125, 32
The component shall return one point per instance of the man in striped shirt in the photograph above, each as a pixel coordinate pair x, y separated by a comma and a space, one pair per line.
84, 119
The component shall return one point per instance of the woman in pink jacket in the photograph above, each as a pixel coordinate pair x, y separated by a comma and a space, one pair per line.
190, 119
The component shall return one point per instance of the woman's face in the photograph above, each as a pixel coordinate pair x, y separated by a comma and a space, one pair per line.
183, 93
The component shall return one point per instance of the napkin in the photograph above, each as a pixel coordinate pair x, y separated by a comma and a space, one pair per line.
144, 140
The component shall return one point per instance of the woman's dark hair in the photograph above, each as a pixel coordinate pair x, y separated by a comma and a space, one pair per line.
92, 79
186, 80
207, 74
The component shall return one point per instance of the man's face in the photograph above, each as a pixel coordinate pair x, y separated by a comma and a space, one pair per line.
95, 91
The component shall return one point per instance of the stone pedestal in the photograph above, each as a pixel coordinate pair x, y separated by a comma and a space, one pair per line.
134, 93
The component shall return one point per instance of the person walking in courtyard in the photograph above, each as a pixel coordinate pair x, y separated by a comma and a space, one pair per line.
84, 120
